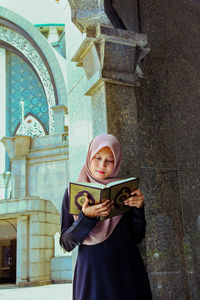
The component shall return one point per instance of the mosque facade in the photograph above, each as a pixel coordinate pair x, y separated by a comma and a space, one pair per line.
34, 132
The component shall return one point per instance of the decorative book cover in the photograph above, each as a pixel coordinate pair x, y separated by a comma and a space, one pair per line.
118, 191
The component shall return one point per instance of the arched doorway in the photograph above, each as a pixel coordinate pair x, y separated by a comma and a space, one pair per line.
8, 238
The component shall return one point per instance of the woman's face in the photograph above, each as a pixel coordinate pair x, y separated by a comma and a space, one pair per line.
102, 164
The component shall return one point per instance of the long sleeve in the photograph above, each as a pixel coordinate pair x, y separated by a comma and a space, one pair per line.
73, 232
137, 223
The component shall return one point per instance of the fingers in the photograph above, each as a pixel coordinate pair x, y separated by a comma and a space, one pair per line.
97, 210
86, 202
136, 192
136, 199
104, 208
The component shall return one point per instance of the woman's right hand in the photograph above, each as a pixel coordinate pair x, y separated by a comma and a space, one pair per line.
96, 210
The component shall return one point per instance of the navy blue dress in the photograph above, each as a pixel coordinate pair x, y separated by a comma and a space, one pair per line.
112, 269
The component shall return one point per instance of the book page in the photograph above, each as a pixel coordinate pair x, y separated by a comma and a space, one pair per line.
90, 184
120, 181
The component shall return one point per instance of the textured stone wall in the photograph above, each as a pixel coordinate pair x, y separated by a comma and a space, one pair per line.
168, 122
168, 141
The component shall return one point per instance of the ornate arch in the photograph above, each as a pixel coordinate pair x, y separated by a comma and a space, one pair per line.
25, 47
20, 34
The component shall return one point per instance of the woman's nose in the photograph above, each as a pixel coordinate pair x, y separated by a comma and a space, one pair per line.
102, 163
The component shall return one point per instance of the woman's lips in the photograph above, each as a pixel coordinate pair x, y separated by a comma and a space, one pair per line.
100, 172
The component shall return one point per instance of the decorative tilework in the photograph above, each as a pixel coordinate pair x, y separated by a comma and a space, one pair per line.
23, 85
26, 48
31, 127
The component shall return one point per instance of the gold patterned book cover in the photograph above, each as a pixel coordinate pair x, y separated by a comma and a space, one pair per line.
118, 191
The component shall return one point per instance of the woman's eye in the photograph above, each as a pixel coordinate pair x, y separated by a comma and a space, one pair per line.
110, 161
98, 158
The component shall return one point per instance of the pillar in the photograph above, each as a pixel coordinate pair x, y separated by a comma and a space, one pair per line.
109, 57
22, 250
2, 106
17, 148
59, 112
53, 36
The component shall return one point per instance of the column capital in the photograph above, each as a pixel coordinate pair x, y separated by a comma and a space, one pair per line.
16, 146
86, 13
112, 54
61, 107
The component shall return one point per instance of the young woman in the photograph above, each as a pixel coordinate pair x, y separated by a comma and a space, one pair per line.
109, 265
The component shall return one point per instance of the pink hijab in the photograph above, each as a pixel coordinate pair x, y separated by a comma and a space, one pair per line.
102, 229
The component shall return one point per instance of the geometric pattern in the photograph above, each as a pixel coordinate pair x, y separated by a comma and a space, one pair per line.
24, 85
22, 44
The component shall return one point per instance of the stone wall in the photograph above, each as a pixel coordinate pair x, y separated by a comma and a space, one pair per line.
168, 122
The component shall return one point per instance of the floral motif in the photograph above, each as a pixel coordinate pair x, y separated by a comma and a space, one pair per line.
31, 127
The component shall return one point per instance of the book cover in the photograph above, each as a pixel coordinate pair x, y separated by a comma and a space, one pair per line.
118, 191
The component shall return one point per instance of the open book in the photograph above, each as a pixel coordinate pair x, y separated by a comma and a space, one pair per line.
118, 191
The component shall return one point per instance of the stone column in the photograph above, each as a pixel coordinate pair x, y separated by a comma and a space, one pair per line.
59, 112
18, 148
53, 36
22, 250
5, 179
3, 106
110, 58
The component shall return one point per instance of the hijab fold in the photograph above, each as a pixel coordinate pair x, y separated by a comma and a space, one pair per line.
102, 229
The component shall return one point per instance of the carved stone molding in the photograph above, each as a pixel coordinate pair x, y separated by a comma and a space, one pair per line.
112, 54
17, 146
24, 46
88, 13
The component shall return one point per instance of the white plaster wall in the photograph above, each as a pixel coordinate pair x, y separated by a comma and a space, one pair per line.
48, 169
79, 105
49, 180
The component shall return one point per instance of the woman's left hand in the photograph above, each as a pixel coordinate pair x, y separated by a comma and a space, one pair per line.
136, 199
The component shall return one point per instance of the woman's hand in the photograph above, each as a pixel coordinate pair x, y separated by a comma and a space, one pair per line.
137, 199
96, 210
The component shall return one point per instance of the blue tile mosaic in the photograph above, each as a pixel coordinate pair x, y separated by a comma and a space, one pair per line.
24, 85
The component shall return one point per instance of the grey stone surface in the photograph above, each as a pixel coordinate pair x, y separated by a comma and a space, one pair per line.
168, 122
102, 49
122, 122
88, 13
190, 195
127, 11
